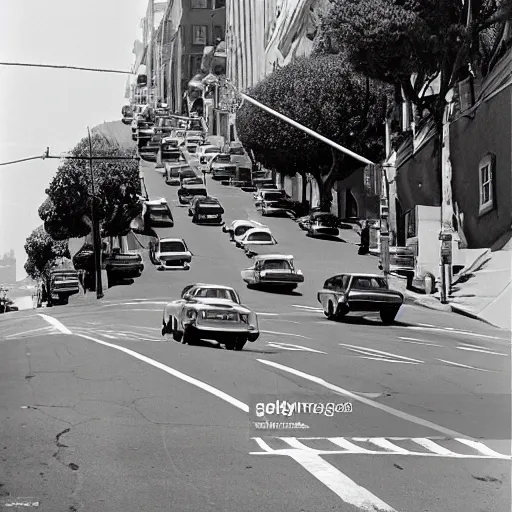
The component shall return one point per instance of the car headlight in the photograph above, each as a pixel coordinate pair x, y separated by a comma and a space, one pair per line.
244, 318
191, 314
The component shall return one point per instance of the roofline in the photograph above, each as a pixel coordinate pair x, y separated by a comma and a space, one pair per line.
171, 240
274, 256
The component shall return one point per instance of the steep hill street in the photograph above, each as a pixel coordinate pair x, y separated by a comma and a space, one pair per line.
99, 412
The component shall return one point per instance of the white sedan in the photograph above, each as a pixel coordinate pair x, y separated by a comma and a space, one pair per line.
238, 228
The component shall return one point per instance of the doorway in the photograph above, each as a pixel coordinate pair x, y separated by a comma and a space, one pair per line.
351, 209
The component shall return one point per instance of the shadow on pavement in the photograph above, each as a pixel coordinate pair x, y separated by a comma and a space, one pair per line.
364, 320
275, 291
122, 282
327, 238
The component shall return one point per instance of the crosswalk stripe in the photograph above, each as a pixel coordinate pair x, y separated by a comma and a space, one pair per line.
381, 442
416, 341
472, 349
388, 360
480, 447
347, 445
463, 365
432, 447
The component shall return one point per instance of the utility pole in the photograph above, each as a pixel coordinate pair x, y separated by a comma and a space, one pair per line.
95, 227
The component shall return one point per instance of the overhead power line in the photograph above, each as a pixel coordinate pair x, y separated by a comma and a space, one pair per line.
22, 160
55, 66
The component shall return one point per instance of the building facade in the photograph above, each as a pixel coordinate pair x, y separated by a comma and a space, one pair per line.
8, 269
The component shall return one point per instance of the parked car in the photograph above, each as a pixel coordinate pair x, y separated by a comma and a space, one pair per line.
192, 143
150, 150
123, 266
209, 311
254, 239
173, 170
63, 283
187, 192
169, 148
273, 270
275, 203
171, 253
196, 180
205, 210
144, 132
359, 293
238, 228
188, 173
320, 224
262, 194
127, 114
157, 214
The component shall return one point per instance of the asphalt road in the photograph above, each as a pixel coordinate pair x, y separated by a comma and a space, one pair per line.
150, 424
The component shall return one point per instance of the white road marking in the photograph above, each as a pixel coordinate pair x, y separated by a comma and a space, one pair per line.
472, 349
339, 483
268, 314
28, 332
387, 448
159, 310
377, 353
289, 346
485, 450
464, 366
394, 412
286, 334
53, 321
135, 303
108, 336
175, 373
432, 446
387, 360
427, 325
466, 333
416, 341
307, 307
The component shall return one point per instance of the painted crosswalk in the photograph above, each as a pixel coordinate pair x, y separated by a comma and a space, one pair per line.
379, 355
458, 448
296, 348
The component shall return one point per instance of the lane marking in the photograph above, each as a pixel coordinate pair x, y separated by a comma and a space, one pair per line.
307, 307
382, 442
28, 332
135, 303
286, 334
433, 447
387, 360
465, 366
416, 341
472, 349
379, 353
482, 448
394, 412
289, 346
53, 321
175, 373
344, 487
270, 314
455, 331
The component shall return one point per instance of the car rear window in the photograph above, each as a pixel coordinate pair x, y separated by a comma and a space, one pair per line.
240, 230
368, 283
259, 237
223, 159
212, 150
216, 293
172, 247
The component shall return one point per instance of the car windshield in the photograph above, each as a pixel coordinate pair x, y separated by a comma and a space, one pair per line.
174, 172
237, 151
260, 237
211, 150
368, 283
276, 265
208, 200
223, 159
159, 211
172, 246
216, 293
187, 173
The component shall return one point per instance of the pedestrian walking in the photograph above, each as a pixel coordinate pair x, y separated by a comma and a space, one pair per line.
364, 247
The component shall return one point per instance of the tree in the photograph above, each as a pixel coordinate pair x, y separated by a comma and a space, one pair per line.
67, 210
42, 250
393, 40
326, 95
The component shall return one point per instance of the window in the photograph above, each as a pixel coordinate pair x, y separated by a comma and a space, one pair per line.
410, 223
218, 33
172, 247
485, 178
260, 237
219, 4
368, 283
199, 35
199, 4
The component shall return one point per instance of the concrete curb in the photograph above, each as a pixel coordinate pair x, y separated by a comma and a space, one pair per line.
474, 316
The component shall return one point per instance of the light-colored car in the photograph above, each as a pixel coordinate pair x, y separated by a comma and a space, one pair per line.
273, 270
255, 239
157, 213
238, 228
359, 293
210, 312
173, 171
171, 253
320, 224
206, 153
269, 196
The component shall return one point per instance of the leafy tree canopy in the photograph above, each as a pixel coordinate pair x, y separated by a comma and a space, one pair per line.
67, 211
327, 96
391, 40
42, 250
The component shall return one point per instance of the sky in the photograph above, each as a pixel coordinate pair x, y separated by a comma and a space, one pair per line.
42, 108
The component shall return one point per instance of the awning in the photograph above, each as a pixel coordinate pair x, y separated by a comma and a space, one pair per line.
417, 177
